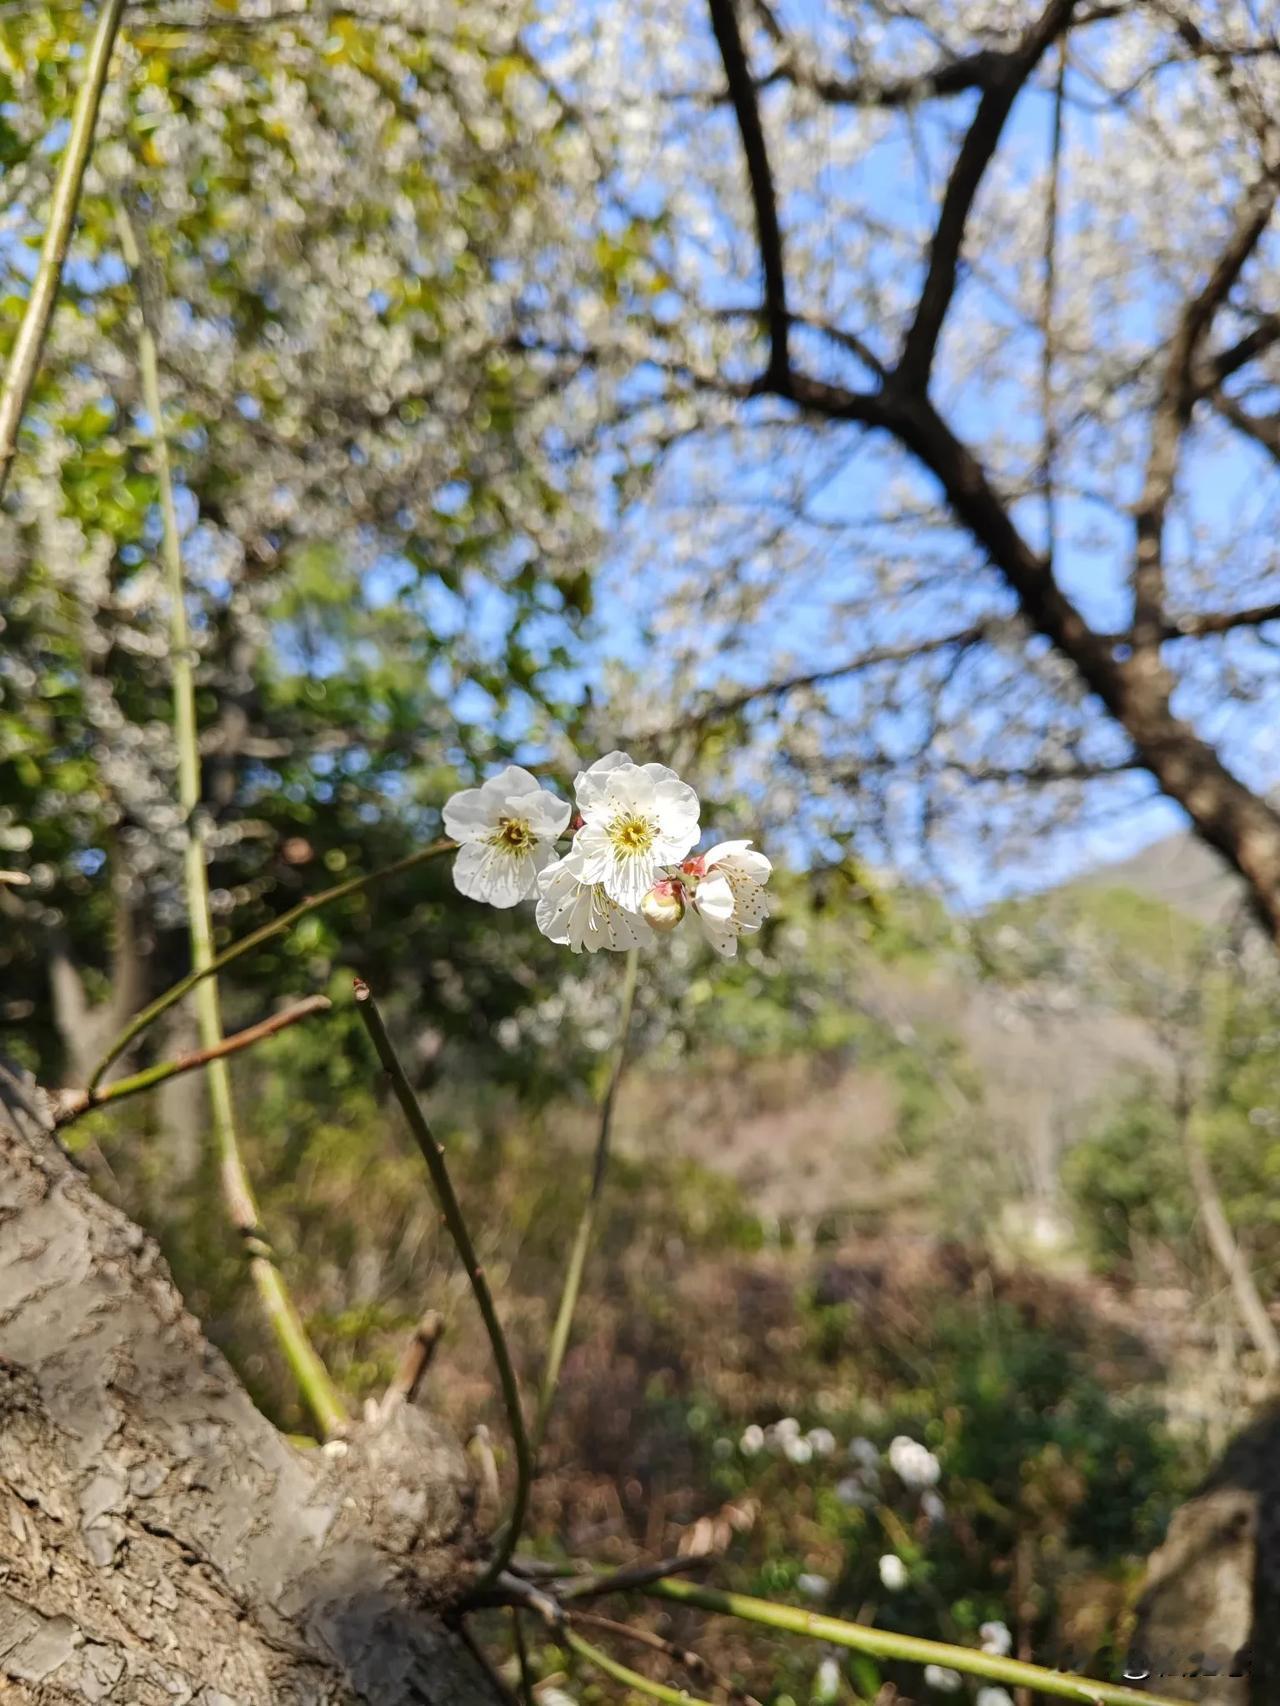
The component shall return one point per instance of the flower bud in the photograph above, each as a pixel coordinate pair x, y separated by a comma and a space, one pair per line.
663, 906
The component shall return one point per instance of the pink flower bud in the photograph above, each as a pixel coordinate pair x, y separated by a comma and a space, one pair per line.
663, 907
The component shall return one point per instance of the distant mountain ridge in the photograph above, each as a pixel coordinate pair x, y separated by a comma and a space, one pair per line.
1180, 871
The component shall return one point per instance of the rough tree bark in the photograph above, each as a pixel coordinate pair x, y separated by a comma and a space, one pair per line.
159, 1540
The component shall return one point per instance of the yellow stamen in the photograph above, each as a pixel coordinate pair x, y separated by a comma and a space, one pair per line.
632, 835
513, 835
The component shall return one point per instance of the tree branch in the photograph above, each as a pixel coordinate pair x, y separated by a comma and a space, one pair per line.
278, 1308
1264, 430
433, 1155
24, 359
976, 151
742, 93
1177, 399
71, 1104
718, 709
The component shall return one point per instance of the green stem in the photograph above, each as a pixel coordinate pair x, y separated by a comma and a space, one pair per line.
255, 938
587, 1219
74, 1103
621, 1673
24, 359
912, 1649
282, 1316
433, 1155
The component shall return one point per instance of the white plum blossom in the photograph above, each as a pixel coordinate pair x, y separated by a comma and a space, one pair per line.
506, 832
893, 1572
993, 1697
946, 1681
913, 1464
636, 819
822, 1441
752, 1441
626, 872
996, 1638
728, 894
581, 914
797, 1450
812, 1585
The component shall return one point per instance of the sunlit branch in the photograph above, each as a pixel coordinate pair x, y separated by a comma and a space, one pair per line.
276, 1302
911, 1649
622, 1673
73, 1103
24, 359
689, 1661
276, 927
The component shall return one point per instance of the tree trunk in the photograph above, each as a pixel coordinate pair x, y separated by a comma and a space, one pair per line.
1211, 1604
159, 1540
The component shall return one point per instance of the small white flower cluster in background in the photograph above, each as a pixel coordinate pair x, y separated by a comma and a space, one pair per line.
786, 1438
629, 869
942, 1679
914, 1464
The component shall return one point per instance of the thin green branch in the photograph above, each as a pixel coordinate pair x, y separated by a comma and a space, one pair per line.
433, 1155
911, 1649
282, 1316
73, 1103
274, 927
587, 1219
24, 359
690, 1662
632, 1678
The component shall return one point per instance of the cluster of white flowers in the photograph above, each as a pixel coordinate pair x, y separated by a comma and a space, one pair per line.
629, 868
786, 1438
914, 1464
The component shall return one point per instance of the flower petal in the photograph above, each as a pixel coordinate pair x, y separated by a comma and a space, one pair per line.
515, 779
723, 850
713, 898
470, 815
722, 937
495, 875
590, 783
547, 816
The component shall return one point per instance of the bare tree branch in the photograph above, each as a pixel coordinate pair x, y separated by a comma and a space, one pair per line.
1177, 399
724, 21
718, 709
970, 166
